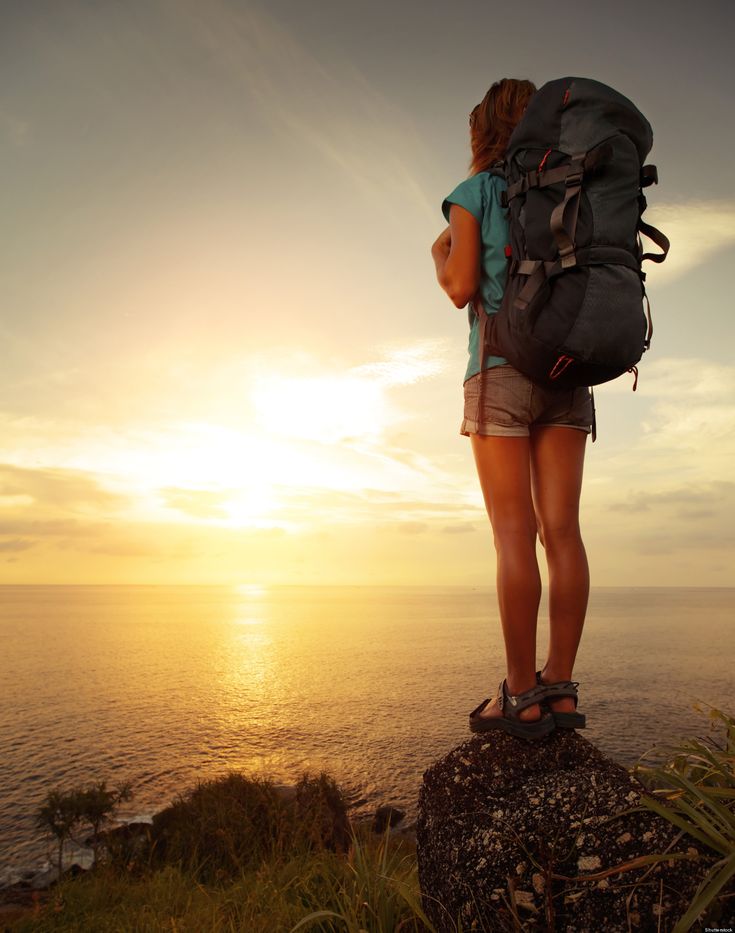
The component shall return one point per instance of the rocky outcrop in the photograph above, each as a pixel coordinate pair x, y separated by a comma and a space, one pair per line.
518, 835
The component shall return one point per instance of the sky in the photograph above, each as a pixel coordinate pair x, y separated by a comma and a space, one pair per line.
226, 358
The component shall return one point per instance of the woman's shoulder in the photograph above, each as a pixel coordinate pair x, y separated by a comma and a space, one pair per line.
476, 192
482, 186
489, 186
485, 178
492, 180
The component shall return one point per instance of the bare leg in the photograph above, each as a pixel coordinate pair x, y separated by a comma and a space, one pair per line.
557, 460
504, 468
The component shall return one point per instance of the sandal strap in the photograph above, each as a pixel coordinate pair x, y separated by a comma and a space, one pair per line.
511, 704
478, 709
562, 688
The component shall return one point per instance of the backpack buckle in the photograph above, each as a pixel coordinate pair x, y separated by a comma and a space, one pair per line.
575, 171
568, 256
649, 176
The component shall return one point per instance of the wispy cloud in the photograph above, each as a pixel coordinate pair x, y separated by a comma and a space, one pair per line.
670, 491
329, 405
15, 544
58, 488
698, 231
692, 424
199, 503
321, 448
693, 518
406, 365
331, 107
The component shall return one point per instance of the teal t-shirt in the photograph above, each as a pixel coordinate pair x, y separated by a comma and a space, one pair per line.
480, 195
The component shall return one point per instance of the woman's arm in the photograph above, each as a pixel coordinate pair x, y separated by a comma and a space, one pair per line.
456, 254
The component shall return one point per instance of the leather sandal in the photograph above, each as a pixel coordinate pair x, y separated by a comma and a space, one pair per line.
562, 688
510, 706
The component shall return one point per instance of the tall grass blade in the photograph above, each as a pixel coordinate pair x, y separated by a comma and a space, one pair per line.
706, 893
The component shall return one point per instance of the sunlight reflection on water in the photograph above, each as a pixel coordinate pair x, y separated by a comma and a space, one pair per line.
164, 686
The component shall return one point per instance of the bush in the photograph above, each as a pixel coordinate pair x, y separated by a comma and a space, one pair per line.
229, 825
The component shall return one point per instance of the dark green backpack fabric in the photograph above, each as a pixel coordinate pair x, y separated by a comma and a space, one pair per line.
573, 309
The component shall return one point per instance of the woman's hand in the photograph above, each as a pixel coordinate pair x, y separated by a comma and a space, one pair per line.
443, 243
456, 254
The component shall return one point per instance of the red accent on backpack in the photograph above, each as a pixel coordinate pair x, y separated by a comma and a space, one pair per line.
561, 364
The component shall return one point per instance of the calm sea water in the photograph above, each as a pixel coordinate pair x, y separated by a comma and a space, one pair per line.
164, 686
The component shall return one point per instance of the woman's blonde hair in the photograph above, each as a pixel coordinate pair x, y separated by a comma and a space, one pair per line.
493, 120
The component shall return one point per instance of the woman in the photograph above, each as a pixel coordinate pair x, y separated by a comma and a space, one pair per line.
528, 444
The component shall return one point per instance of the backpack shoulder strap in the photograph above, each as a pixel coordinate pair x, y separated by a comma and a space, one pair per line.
498, 169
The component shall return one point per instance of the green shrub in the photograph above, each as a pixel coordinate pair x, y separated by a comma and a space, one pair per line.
227, 826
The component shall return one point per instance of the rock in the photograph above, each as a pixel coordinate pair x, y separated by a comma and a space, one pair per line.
508, 827
125, 831
44, 878
127, 834
386, 816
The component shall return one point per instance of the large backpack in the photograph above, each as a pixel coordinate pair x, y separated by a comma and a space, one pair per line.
572, 313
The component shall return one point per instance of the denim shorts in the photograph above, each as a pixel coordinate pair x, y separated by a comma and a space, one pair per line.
511, 403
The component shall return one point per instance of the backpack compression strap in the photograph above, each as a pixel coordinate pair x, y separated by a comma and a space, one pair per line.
542, 178
649, 176
563, 223
570, 204
660, 239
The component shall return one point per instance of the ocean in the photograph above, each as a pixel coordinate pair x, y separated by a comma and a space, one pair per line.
164, 686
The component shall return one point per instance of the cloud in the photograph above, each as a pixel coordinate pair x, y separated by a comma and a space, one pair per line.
47, 527
692, 423
670, 491
58, 488
331, 107
374, 507
691, 378
16, 544
688, 503
304, 399
199, 503
692, 411
459, 528
698, 232
412, 528
406, 365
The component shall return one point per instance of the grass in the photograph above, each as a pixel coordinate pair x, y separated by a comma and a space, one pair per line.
235, 855
375, 888
696, 779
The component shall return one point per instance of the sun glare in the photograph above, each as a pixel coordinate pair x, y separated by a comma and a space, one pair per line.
251, 590
300, 437
320, 408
